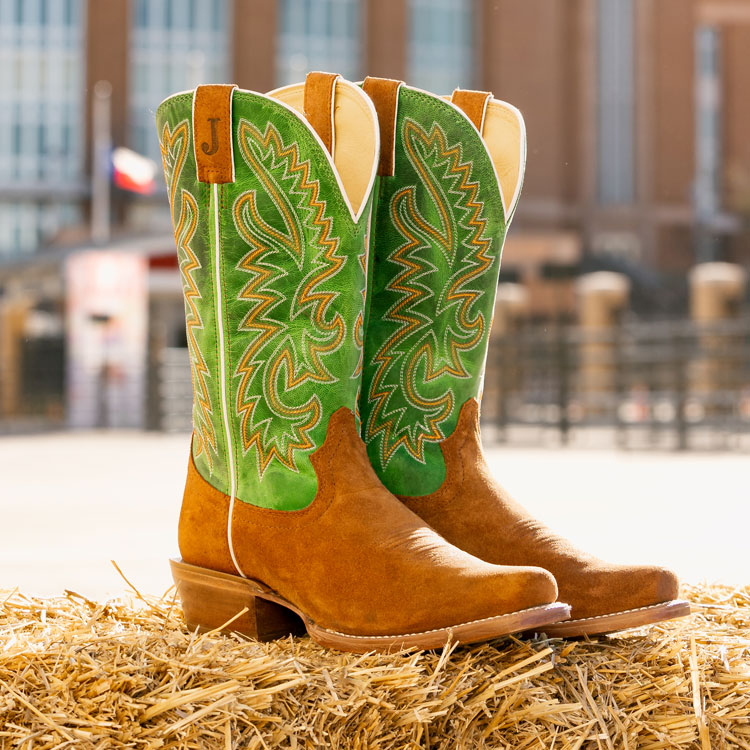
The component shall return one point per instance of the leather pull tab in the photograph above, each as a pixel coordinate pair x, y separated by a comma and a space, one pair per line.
212, 133
473, 104
384, 95
320, 89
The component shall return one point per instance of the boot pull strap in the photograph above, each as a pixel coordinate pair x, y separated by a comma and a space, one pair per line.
212, 133
320, 90
473, 104
384, 95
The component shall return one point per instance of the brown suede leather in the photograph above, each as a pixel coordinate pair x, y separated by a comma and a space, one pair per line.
355, 560
384, 95
473, 512
318, 105
473, 104
212, 131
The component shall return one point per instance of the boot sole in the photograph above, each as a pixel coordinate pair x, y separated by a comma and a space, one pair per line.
611, 623
212, 601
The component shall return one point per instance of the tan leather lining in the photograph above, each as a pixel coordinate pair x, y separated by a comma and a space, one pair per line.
504, 135
355, 142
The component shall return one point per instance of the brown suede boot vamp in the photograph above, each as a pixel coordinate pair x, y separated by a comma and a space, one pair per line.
357, 562
472, 511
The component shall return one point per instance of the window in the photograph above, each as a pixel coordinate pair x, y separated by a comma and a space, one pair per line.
318, 35
616, 100
175, 45
441, 44
41, 117
708, 123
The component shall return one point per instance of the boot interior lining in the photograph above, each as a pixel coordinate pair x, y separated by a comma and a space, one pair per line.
355, 148
504, 135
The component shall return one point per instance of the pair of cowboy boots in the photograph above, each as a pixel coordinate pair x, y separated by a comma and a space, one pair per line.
339, 249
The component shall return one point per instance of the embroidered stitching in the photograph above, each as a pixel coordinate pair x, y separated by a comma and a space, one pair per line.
621, 612
411, 358
174, 147
268, 375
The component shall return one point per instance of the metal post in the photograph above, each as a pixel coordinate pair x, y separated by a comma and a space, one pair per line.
680, 388
620, 379
101, 128
563, 384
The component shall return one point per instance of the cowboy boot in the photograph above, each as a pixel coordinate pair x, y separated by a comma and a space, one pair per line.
284, 525
451, 174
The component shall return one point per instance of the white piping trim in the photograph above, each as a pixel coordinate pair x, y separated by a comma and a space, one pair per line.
172, 96
192, 129
395, 120
333, 108
484, 113
376, 161
231, 130
521, 157
223, 376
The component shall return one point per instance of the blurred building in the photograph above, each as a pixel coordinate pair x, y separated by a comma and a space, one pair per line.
637, 118
636, 109
636, 112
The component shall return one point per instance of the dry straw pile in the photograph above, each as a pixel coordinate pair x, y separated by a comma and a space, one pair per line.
81, 674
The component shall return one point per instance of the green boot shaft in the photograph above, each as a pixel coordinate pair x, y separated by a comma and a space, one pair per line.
438, 234
272, 257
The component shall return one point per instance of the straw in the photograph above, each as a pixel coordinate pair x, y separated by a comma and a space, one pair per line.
127, 673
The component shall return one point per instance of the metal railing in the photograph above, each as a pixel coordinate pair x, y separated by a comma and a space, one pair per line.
670, 384
665, 384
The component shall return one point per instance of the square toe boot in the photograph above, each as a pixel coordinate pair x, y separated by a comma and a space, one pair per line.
284, 524
451, 177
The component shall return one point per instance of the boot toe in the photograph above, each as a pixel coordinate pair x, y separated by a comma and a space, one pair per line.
667, 585
539, 586
607, 589
643, 586
513, 589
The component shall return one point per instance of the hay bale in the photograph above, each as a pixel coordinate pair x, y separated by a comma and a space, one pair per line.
126, 673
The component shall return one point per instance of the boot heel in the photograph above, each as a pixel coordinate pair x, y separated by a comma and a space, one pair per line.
211, 599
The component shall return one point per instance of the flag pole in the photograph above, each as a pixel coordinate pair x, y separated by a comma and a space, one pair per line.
101, 128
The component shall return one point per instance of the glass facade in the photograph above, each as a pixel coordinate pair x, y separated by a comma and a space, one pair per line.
441, 48
41, 119
708, 143
175, 45
616, 98
318, 35
708, 123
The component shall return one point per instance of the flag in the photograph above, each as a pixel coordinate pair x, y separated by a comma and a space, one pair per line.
133, 172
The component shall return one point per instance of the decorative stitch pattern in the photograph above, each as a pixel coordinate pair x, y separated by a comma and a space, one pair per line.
276, 401
291, 272
445, 249
174, 147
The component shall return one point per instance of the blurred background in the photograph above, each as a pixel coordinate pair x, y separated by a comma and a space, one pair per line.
622, 320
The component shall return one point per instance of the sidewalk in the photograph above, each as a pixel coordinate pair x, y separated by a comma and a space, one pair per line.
70, 502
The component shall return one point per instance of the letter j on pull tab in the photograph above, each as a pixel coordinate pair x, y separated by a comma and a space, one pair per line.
214, 147
212, 133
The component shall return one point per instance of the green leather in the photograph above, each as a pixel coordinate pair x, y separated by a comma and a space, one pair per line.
292, 279
439, 228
